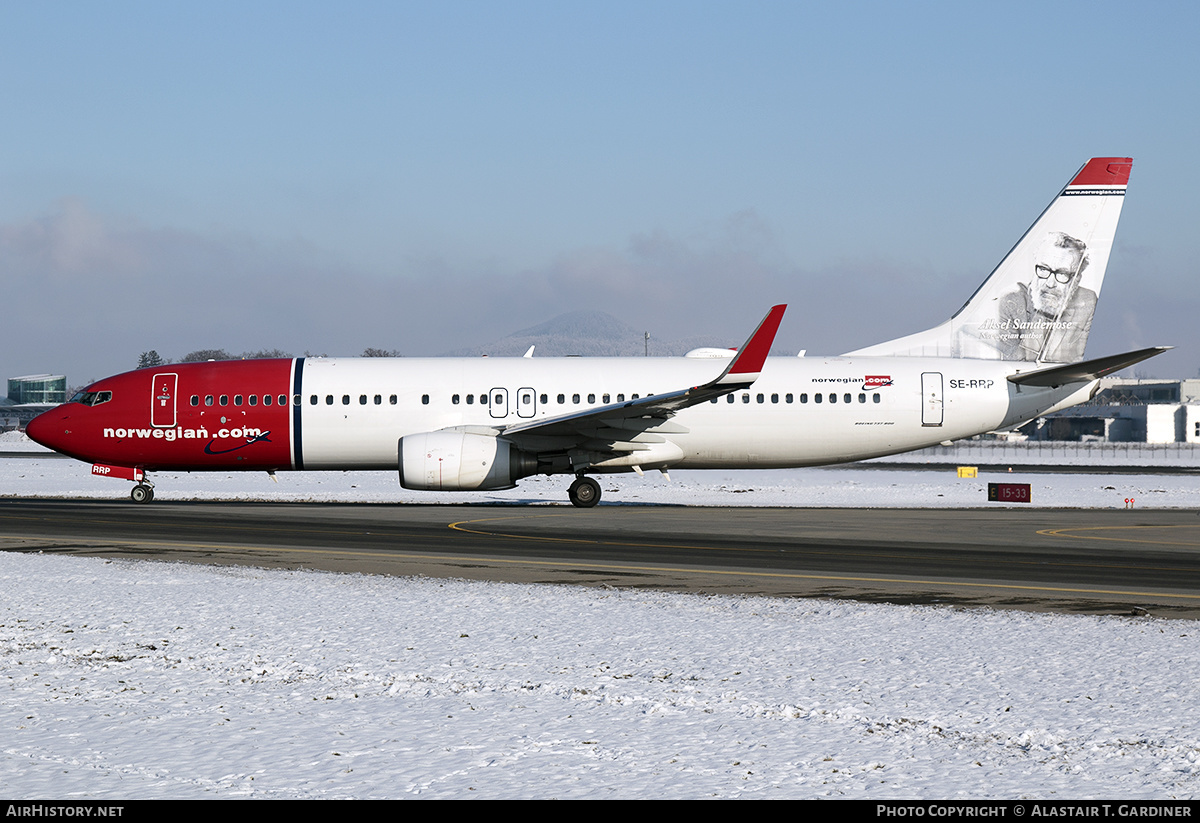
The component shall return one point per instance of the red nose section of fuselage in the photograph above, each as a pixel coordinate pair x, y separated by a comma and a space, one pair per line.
186, 417
51, 429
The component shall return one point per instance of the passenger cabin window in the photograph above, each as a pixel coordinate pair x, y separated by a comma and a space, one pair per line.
425, 400
329, 400
195, 400
362, 400
224, 401
237, 400
267, 399
345, 400
253, 399
379, 400
392, 399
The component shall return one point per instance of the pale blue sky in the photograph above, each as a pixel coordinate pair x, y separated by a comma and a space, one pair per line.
424, 176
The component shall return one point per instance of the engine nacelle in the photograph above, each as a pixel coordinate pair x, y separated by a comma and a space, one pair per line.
461, 461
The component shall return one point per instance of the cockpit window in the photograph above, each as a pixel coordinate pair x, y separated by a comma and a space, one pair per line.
92, 398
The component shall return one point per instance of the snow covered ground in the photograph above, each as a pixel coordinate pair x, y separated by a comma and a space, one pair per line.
127, 679
132, 679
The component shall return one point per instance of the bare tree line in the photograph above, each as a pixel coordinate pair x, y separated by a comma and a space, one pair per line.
151, 359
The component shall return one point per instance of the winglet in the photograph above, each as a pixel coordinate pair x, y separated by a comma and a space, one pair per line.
753, 353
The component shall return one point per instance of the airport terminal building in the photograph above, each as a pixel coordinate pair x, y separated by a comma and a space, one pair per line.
1128, 410
29, 396
38, 388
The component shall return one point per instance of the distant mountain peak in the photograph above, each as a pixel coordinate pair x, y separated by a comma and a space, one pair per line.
595, 324
585, 333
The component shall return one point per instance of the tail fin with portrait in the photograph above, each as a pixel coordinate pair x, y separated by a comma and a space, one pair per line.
1037, 305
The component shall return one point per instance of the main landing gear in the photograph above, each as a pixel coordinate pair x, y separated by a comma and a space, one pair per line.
584, 492
142, 493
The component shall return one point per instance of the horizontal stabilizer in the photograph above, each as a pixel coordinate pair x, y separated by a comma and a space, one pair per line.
1085, 371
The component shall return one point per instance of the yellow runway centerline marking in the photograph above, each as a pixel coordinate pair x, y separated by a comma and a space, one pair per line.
1071, 532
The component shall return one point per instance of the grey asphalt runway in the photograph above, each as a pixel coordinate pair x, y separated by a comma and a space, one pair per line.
1072, 560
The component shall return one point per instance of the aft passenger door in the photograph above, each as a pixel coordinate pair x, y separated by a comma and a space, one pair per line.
931, 398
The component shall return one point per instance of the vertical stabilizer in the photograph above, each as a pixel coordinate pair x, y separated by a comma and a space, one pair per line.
1037, 305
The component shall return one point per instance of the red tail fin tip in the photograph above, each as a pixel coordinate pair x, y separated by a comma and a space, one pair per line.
1104, 171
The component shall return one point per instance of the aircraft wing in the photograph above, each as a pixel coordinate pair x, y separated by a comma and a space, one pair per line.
741, 372
1086, 370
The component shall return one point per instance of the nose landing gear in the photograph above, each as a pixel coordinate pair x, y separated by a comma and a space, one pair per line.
142, 493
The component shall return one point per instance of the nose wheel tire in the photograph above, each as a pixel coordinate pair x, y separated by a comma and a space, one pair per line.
584, 492
142, 493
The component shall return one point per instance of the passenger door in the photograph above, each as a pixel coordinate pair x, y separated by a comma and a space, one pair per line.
931, 398
162, 400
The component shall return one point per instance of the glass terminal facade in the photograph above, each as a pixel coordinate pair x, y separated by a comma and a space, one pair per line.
38, 388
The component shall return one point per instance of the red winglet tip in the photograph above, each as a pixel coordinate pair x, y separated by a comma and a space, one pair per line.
753, 354
1104, 171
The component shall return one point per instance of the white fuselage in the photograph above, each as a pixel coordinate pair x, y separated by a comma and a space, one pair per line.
800, 412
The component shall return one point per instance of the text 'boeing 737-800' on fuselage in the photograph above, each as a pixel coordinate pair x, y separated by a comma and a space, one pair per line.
1013, 352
